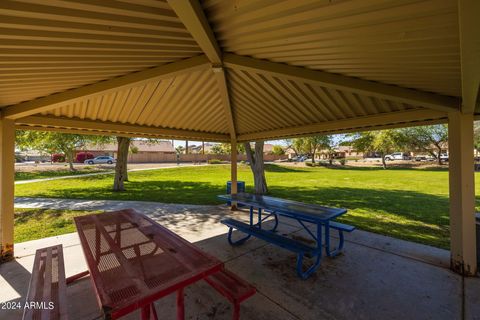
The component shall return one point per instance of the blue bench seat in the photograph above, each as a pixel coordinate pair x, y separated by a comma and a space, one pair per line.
341, 226
270, 237
299, 248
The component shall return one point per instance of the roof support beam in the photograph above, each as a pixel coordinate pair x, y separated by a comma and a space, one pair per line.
223, 88
336, 81
53, 101
191, 14
80, 131
105, 127
468, 13
380, 121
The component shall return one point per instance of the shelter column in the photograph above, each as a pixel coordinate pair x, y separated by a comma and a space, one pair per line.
462, 193
7, 176
233, 165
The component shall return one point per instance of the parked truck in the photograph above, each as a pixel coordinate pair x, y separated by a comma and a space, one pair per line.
397, 156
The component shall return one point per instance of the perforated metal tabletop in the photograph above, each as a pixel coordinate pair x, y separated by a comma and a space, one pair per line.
134, 261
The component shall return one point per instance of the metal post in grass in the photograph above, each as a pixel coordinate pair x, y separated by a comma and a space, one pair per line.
233, 166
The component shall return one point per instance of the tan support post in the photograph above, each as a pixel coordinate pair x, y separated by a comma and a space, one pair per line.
233, 165
7, 176
462, 194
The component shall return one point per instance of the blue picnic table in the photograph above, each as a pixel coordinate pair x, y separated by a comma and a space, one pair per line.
268, 208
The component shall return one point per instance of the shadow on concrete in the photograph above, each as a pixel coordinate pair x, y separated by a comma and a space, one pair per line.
14, 285
362, 283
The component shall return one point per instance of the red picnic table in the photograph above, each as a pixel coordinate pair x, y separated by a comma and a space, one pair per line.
134, 261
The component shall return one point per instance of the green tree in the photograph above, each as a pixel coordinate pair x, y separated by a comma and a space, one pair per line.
291, 145
217, 149
425, 138
311, 145
383, 142
179, 149
277, 150
227, 148
56, 142
363, 141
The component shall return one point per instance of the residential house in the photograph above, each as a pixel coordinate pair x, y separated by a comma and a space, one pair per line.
141, 151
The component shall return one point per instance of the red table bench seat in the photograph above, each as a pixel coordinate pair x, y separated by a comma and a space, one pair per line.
46, 298
232, 287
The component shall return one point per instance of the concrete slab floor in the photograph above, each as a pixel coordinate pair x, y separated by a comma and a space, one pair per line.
472, 298
377, 277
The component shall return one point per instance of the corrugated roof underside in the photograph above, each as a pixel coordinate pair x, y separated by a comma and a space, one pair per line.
282, 103
409, 43
51, 46
189, 101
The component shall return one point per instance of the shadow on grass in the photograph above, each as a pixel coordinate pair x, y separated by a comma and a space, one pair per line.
26, 215
390, 167
278, 168
30, 175
165, 191
409, 215
412, 203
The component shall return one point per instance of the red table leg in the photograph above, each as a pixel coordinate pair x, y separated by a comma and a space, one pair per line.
146, 312
77, 276
180, 305
154, 312
236, 311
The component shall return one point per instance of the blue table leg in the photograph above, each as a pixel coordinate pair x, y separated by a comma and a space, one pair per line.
259, 218
265, 217
317, 256
251, 215
241, 240
336, 251
236, 242
275, 216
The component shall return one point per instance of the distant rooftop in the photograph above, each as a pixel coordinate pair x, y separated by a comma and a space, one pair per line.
142, 146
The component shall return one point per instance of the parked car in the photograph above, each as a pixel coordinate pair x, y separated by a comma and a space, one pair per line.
397, 156
420, 158
299, 158
100, 159
424, 158
444, 157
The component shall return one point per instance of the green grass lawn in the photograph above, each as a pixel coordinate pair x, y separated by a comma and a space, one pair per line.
30, 175
410, 204
31, 224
